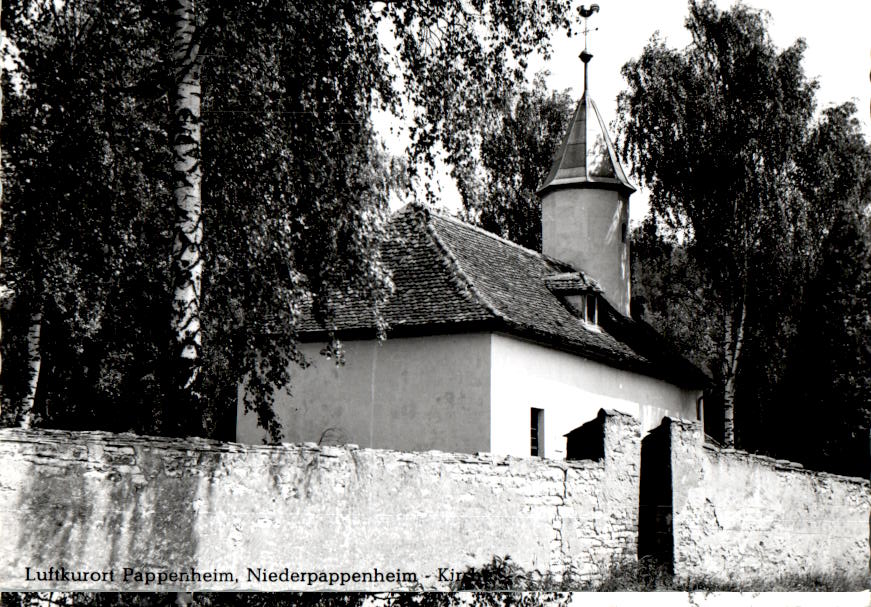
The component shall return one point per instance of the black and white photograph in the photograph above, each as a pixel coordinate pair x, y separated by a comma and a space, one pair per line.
415, 303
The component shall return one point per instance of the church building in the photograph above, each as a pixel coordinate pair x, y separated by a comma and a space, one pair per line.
493, 347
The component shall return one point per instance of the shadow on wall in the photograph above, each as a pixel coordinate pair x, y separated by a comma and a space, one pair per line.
587, 441
106, 502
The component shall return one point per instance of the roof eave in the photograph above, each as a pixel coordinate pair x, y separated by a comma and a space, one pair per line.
690, 381
600, 183
499, 325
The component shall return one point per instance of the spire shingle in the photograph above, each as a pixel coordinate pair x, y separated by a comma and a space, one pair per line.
586, 156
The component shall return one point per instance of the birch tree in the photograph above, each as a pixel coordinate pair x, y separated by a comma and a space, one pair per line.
84, 171
187, 179
291, 167
827, 419
713, 130
117, 162
34, 363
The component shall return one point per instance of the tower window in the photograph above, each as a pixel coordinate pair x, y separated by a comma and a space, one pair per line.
625, 232
536, 434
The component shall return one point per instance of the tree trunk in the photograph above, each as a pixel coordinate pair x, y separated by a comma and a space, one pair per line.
3, 289
733, 342
5, 303
186, 251
729, 412
34, 362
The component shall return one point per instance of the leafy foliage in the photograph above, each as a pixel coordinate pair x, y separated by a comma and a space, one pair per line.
713, 131
834, 326
755, 251
77, 150
516, 148
295, 185
834, 346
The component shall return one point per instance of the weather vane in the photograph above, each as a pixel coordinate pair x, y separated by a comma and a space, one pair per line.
585, 55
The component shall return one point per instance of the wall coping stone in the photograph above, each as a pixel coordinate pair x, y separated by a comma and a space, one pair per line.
777, 464
615, 413
783, 464
40, 436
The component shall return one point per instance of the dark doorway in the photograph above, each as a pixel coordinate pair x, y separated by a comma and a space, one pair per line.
655, 535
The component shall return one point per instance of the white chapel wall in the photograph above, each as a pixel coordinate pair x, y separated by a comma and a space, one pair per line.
409, 394
570, 390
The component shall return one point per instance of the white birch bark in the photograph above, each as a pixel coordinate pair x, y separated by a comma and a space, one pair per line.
3, 288
730, 368
34, 362
187, 259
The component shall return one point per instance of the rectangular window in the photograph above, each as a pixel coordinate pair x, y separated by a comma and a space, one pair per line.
536, 439
591, 312
585, 307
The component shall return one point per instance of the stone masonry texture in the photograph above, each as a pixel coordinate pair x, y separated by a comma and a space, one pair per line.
738, 516
94, 503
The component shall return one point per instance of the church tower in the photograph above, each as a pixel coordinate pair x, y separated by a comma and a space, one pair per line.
585, 200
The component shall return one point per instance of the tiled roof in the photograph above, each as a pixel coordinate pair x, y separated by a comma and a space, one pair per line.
450, 276
570, 283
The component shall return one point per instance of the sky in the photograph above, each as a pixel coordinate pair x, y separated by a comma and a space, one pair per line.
838, 55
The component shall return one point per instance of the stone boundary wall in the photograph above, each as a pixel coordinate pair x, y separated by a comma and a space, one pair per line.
747, 517
99, 505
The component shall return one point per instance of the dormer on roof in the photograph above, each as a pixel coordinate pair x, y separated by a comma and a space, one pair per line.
579, 292
571, 283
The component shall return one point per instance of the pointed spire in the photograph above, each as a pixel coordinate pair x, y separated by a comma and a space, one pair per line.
586, 156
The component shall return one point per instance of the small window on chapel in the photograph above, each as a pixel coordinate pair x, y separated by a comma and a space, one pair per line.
591, 310
536, 439
586, 307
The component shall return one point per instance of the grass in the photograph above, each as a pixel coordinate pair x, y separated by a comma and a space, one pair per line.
641, 576
645, 576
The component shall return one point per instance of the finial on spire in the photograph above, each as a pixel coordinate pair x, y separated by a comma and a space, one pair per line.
585, 55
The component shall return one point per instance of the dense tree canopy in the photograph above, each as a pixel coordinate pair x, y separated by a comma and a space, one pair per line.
713, 130
294, 183
833, 339
754, 250
77, 150
758, 233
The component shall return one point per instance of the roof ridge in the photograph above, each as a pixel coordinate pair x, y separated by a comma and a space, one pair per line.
416, 207
464, 282
501, 239
534, 253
